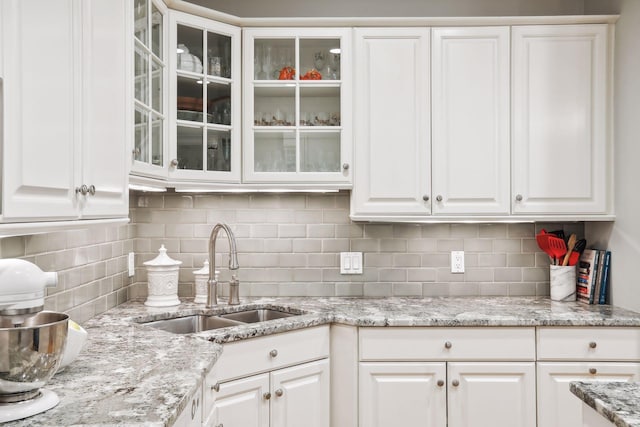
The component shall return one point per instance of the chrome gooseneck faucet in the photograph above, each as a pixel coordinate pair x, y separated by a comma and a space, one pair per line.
212, 283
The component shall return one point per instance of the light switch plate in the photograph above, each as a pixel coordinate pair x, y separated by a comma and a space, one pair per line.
350, 262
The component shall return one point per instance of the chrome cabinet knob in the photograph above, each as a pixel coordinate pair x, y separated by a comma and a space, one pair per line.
279, 392
440, 383
83, 189
345, 166
455, 383
593, 344
438, 198
448, 344
593, 371
92, 190
273, 353
267, 396
215, 387
518, 197
425, 198
174, 163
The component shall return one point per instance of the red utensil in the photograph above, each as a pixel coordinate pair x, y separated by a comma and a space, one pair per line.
558, 248
543, 242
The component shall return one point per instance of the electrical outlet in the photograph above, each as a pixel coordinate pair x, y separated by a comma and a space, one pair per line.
457, 261
350, 262
132, 265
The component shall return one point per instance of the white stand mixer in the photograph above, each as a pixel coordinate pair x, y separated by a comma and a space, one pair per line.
32, 341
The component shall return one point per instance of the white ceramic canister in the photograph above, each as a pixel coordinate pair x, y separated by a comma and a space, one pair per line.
162, 280
202, 277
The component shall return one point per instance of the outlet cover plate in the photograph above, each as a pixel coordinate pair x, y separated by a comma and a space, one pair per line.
457, 261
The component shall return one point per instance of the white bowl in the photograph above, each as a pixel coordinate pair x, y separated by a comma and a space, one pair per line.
76, 338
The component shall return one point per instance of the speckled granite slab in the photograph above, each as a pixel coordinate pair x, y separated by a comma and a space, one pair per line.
618, 402
134, 375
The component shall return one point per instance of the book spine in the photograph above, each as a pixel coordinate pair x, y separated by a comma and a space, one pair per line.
597, 284
605, 278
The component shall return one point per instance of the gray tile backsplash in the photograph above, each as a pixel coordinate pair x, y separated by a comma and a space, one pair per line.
91, 266
289, 245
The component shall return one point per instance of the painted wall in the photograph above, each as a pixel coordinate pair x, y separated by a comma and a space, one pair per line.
623, 236
365, 8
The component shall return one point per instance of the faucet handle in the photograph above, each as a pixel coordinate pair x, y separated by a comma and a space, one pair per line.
234, 280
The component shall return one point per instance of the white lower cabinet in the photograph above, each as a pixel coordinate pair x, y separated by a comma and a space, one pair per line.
456, 377
289, 397
580, 354
491, 394
403, 394
281, 380
557, 406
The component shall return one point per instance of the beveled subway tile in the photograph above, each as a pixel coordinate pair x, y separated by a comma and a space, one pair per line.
522, 289
392, 275
478, 275
259, 260
373, 259
421, 275
323, 260
422, 245
407, 260
508, 275
335, 245
407, 289
178, 201
250, 216
307, 245
377, 289
12, 247
448, 245
292, 230
393, 245
338, 216
464, 289
279, 216
349, 230
494, 289
464, 231
521, 260
224, 216
264, 231
495, 231
436, 230
365, 245
320, 289
207, 201
179, 230
492, 260
278, 245
535, 274
292, 260
307, 217
307, 274
521, 230
435, 289
194, 245
407, 231
349, 289
507, 245
435, 260
478, 245
321, 230
321, 201
378, 231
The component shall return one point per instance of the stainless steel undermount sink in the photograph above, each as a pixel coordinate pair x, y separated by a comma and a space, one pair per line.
201, 322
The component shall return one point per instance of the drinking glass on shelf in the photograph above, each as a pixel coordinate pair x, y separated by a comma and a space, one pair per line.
267, 64
257, 62
319, 60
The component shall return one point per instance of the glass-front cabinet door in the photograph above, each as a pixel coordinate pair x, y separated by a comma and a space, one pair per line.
150, 82
205, 111
296, 105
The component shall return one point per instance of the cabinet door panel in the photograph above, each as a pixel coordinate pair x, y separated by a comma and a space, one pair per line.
105, 108
492, 394
392, 172
402, 394
557, 406
470, 120
241, 403
304, 397
560, 138
41, 102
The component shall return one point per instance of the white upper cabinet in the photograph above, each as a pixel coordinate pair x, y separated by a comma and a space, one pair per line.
65, 129
150, 37
392, 136
205, 99
297, 106
560, 141
470, 120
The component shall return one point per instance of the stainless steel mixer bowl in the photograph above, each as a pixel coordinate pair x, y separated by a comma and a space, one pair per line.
30, 354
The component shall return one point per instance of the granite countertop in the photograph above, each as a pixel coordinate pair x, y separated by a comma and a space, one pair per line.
134, 375
615, 401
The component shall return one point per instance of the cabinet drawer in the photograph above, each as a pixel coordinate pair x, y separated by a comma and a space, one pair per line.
588, 343
416, 344
272, 352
